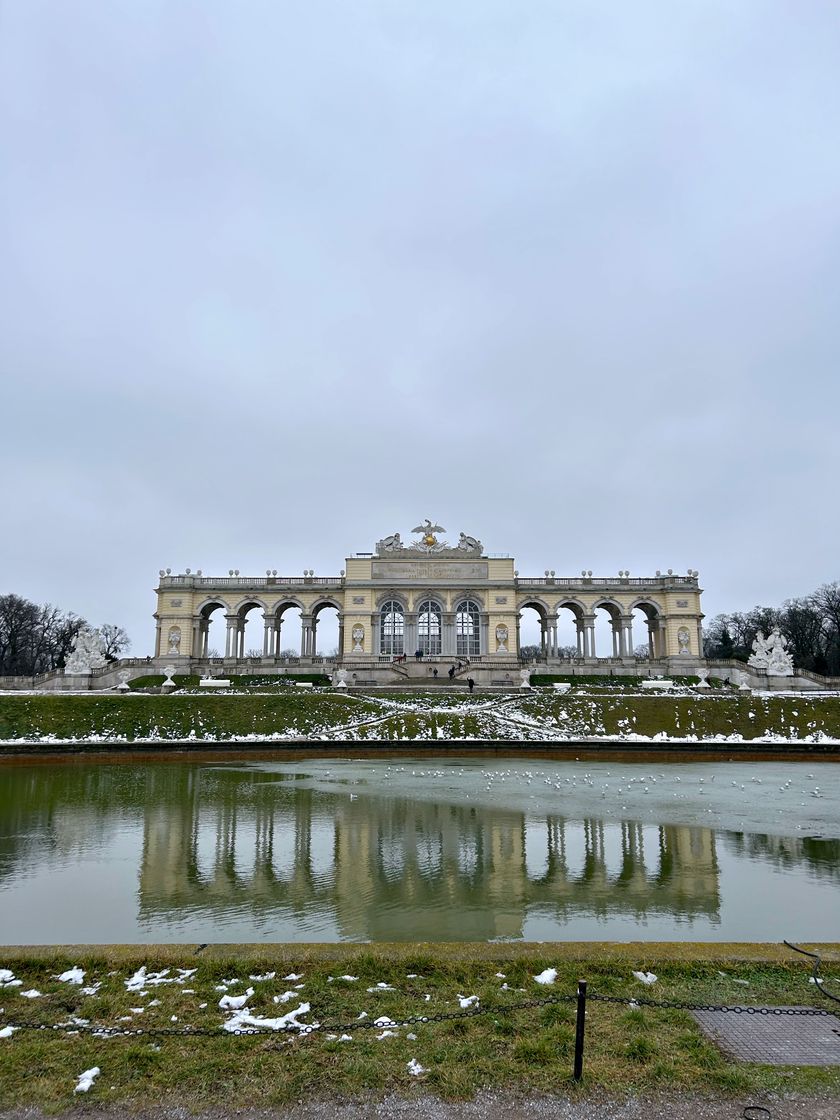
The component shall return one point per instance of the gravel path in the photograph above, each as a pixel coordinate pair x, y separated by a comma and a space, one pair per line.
494, 1106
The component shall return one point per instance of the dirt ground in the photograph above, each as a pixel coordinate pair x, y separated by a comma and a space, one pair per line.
492, 1106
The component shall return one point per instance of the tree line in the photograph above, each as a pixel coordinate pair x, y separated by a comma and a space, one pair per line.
36, 639
811, 626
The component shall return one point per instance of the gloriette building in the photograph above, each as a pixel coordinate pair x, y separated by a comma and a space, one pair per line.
449, 601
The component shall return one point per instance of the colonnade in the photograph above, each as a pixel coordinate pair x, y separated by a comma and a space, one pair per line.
622, 636
271, 645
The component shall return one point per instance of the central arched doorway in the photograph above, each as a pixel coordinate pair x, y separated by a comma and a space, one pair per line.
429, 627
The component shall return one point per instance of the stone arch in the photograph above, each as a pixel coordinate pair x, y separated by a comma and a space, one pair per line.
614, 634
282, 631
248, 637
326, 633
569, 633
527, 633
391, 596
653, 621
202, 621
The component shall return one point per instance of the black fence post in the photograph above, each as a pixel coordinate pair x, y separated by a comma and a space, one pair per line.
580, 1026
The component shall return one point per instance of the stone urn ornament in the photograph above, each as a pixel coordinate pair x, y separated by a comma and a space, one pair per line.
501, 639
341, 676
525, 678
703, 682
358, 635
168, 672
122, 677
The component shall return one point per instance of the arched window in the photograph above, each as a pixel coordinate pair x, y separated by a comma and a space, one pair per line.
391, 628
467, 633
428, 627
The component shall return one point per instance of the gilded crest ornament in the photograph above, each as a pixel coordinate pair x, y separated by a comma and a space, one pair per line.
428, 538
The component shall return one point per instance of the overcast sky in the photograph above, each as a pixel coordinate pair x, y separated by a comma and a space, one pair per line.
279, 279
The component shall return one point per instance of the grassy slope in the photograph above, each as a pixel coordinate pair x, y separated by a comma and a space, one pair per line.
300, 715
530, 1049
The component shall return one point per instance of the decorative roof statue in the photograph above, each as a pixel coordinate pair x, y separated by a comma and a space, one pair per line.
771, 655
87, 653
429, 541
389, 544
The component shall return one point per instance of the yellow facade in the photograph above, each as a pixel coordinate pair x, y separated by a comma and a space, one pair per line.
446, 601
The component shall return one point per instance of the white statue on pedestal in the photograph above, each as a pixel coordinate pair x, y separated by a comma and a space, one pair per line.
358, 635
340, 679
87, 653
525, 675
771, 655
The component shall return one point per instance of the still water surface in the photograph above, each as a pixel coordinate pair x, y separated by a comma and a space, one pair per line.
390, 850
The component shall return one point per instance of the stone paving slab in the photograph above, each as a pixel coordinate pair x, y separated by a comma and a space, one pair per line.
777, 1040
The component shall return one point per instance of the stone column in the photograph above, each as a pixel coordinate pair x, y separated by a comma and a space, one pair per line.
616, 637
448, 639
313, 639
484, 634
157, 640
196, 638
268, 635
231, 636
341, 636
627, 635
581, 638
410, 639
306, 635
589, 635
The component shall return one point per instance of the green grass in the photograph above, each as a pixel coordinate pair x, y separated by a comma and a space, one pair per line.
538, 716
626, 1050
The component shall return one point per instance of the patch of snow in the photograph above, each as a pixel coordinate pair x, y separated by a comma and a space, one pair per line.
646, 977
547, 976
467, 1001
72, 975
235, 1003
283, 1023
415, 1069
86, 1079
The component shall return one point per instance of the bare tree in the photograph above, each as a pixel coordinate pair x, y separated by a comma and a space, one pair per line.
115, 640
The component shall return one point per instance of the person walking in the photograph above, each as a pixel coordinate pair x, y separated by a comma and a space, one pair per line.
471, 683
434, 673
418, 655
451, 671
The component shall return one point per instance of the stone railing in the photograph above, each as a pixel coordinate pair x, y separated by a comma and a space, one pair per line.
612, 581
249, 582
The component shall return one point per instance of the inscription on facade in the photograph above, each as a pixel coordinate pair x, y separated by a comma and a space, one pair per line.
428, 570
682, 602
501, 600
176, 602
358, 600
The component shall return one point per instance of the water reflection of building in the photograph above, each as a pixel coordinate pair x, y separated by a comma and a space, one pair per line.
389, 868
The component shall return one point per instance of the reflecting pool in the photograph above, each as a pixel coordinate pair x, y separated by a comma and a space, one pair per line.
461, 849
